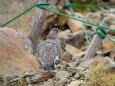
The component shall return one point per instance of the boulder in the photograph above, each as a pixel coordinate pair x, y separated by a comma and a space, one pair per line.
13, 57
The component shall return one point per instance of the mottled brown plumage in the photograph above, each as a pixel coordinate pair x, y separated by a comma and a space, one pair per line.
49, 51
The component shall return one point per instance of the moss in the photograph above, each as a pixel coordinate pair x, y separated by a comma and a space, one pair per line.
100, 76
84, 10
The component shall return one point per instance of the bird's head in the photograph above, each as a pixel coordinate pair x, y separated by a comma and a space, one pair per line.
53, 33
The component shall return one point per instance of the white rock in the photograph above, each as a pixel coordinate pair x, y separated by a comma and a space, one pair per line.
76, 83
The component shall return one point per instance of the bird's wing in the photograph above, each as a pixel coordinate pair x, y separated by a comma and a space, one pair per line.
59, 51
47, 52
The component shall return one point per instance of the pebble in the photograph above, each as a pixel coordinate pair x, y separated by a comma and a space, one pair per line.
76, 83
48, 84
86, 63
11, 76
35, 78
28, 80
62, 74
66, 56
63, 81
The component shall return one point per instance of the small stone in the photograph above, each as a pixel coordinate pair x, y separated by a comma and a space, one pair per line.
77, 39
108, 62
62, 74
76, 83
42, 76
48, 84
63, 80
77, 76
78, 61
58, 84
62, 34
72, 50
94, 17
28, 80
11, 76
30, 85
73, 64
86, 63
110, 54
75, 25
108, 45
76, 70
79, 55
35, 78
66, 56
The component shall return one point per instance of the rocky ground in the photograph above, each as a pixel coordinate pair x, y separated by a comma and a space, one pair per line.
19, 68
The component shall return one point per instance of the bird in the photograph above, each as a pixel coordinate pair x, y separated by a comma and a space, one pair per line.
49, 51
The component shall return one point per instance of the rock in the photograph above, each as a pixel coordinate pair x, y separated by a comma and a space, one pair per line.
72, 64
80, 55
26, 42
61, 75
76, 39
77, 76
108, 62
62, 34
110, 18
78, 61
62, 20
48, 84
86, 63
110, 54
35, 78
63, 81
94, 17
30, 73
72, 50
41, 76
58, 84
28, 80
74, 25
76, 70
11, 76
112, 33
76, 83
107, 45
12, 56
66, 56
30, 85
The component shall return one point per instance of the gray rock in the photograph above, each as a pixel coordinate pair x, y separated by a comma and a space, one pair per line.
27, 42
76, 70
28, 80
86, 63
78, 61
30, 85
35, 78
63, 81
108, 62
62, 74
11, 76
72, 64
66, 56
48, 84
77, 76
94, 17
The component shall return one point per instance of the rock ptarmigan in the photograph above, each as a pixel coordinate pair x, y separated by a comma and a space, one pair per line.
49, 51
